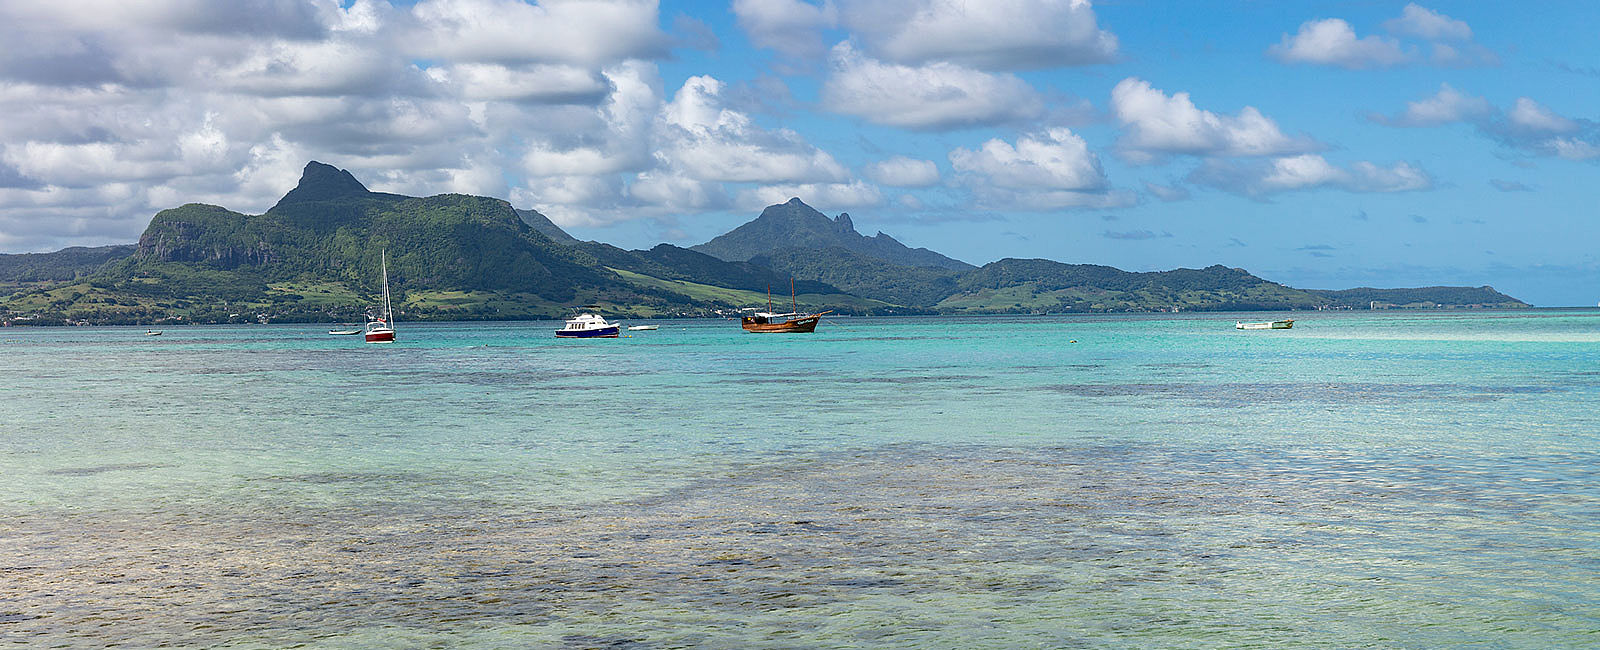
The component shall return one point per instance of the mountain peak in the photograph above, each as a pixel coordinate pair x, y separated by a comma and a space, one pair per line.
796, 225
323, 182
795, 211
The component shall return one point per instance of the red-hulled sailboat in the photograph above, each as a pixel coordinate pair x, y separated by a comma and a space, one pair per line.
381, 329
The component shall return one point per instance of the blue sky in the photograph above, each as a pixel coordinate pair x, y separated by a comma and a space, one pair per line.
1319, 144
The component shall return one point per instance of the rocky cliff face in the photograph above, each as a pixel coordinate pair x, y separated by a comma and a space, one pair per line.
203, 234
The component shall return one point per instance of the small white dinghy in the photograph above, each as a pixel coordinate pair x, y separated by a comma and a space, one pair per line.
1266, 325
643, 328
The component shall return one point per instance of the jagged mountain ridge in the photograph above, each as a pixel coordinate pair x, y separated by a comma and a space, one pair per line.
330, 227
797, 225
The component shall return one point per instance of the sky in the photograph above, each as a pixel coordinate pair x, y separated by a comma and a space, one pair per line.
1317, 144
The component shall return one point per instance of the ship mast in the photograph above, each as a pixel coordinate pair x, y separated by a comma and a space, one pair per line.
388, 310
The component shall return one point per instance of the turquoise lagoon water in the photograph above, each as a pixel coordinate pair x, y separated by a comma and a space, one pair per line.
1391, 479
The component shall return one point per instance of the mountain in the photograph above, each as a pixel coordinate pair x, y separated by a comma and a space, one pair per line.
1423, 297
797, 225
64, 264
1035, 285
331, 228
545, 226
314, 256
670, 262
912, 286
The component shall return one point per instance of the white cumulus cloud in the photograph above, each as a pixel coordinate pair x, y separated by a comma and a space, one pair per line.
1444, 107
934, 96
709, 141
1531, 116
1156, 124
789, 26
984, 34
901, 171
1053, 169
589, 32
1057, 159
1527, 125
1259, 178
1421, 22
1331, 41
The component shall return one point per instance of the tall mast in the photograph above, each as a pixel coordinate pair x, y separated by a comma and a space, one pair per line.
388, 311
769, 297
794, 303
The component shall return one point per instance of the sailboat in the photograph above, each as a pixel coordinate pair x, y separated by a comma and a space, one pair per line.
381, 329
766, 322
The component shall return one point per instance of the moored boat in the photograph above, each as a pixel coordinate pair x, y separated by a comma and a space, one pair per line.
643, 328
763, 322
381, 329
345, 332
588, 325
794, 322
1266, 325
152, 332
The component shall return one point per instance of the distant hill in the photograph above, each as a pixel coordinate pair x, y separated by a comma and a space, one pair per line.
1423, 297
797, 225
1035, 285
64, 264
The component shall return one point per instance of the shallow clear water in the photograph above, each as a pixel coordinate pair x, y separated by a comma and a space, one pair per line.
1363, 480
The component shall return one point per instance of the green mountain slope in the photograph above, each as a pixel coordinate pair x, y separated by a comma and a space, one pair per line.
546, 227
1034, 285
674, 263
1422, 297
797, 225
911, 286
64, 264
331, 229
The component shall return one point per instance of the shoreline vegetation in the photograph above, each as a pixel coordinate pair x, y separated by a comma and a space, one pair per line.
454, 257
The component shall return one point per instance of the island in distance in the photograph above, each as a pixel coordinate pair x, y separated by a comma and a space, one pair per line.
313, 257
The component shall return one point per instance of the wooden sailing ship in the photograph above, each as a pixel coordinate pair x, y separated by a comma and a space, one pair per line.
767, 322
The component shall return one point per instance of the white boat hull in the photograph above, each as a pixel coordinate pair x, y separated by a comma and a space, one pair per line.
1266, 325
